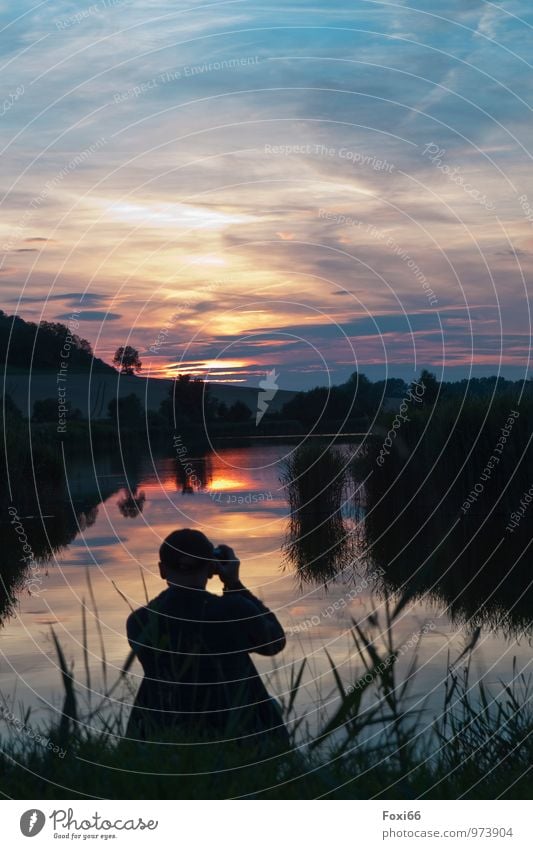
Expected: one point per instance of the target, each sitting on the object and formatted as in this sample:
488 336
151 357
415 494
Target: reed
318 542
379 740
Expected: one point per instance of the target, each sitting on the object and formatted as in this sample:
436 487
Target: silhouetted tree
46 411
12 412
44 345
349 400
238 412
189 399
396 387
127 360
359 388
306 407
131 504
127 411
155 419
431 387
87 518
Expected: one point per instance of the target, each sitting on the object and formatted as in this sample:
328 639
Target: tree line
41 345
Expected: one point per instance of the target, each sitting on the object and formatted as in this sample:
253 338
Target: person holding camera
194 647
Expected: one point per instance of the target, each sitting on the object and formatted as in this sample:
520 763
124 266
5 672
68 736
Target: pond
107 540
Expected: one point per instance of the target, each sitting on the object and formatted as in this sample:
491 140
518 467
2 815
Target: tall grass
378 741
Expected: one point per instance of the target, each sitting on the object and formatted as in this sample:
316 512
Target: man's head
186 558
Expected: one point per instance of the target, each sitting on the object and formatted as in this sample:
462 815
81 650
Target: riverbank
374 743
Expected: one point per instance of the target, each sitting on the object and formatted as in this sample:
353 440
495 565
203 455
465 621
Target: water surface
117 521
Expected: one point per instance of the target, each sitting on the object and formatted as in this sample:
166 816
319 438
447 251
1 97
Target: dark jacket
198 675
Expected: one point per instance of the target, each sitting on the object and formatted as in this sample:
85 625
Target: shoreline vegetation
446 514
433 500
198 410
378 741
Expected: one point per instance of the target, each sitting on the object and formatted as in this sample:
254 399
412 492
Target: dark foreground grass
378 741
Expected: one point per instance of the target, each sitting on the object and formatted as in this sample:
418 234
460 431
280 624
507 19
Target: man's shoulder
140 616
229 606
136 619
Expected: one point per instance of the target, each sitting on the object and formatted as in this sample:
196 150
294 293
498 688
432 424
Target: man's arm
260 630
139 635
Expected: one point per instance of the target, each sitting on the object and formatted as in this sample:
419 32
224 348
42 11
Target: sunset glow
292 207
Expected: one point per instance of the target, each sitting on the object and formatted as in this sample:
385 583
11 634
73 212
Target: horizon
482 372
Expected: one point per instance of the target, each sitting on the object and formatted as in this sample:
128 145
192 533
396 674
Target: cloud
517 253
185 190
92 315
70 298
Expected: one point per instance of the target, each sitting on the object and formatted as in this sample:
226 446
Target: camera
218 554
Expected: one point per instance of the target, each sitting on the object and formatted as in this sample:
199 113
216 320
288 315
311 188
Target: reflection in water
49 520
31 541
120 552
466 562
475 573
319 541
192 473
131 504
88 518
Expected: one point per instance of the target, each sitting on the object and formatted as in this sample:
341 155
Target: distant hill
92 396
45 346
32 356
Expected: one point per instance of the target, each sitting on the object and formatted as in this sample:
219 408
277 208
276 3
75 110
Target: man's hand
228 568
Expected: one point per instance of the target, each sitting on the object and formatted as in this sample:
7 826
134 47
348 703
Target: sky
314 188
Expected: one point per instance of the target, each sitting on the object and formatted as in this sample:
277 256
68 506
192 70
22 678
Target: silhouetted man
195 647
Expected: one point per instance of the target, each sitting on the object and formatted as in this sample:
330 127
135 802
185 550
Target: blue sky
274 186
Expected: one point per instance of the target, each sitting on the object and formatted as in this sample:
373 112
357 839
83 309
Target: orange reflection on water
120 551
227 481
